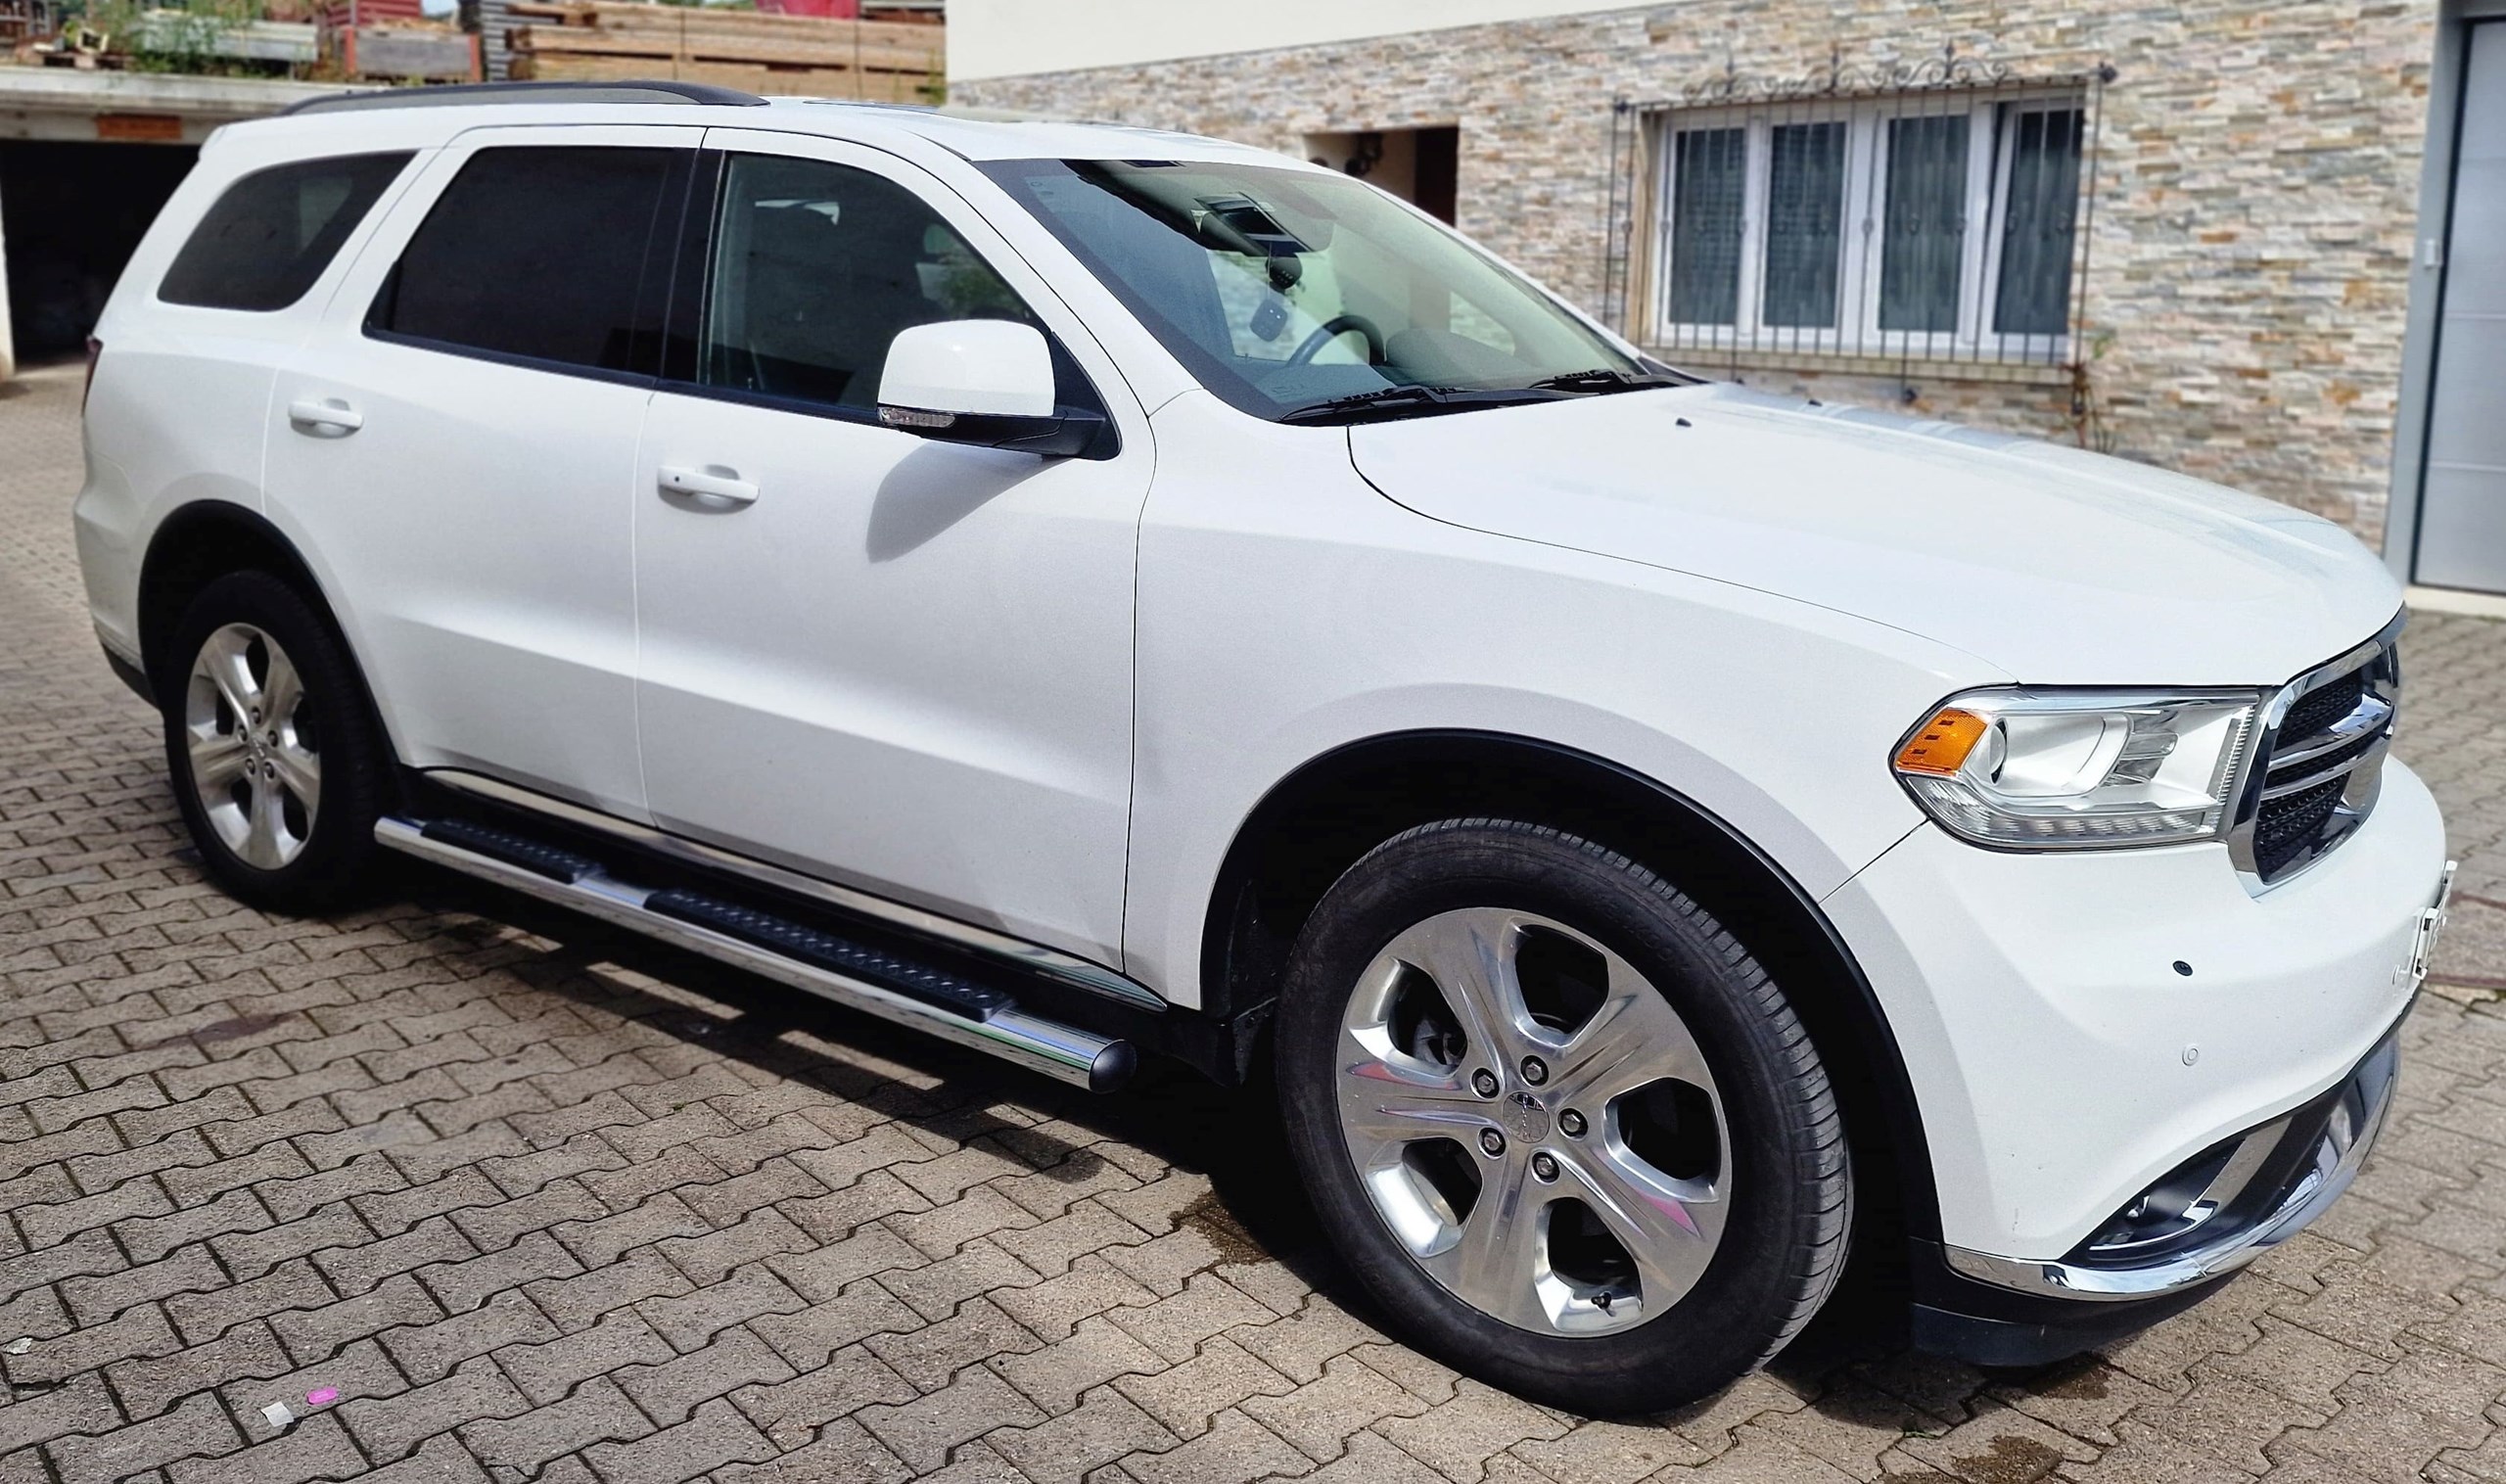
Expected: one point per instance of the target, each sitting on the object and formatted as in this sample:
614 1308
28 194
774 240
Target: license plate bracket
2432 922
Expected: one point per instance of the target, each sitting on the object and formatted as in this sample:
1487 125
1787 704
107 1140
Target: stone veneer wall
2256 195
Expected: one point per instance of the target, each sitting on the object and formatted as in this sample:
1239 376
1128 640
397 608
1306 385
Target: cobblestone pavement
535 1201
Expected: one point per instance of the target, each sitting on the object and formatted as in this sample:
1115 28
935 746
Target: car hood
2057 566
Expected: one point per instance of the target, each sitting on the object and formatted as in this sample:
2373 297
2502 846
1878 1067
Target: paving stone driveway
517 1198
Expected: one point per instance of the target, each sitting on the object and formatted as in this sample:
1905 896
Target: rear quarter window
271 234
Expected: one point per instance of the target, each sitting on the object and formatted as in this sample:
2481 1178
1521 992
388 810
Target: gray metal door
2462 520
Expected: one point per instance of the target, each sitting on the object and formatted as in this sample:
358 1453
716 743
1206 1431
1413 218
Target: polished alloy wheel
256 760
1533 1122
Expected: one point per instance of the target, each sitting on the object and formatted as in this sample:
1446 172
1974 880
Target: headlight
2081 769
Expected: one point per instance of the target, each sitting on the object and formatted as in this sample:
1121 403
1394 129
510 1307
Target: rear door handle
330 413
718 492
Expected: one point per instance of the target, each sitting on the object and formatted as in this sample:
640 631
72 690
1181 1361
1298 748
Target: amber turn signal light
1942 746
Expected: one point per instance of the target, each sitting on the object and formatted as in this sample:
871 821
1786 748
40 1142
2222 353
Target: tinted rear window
542 252
264 242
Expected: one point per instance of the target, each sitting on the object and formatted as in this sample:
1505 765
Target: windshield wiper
1605 378
1392 401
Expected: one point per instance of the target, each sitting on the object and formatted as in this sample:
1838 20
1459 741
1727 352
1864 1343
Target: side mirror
985 381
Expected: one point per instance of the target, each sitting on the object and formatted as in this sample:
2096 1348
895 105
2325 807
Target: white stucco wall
1007 39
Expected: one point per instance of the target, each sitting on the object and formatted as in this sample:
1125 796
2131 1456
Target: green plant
182 37
2088 414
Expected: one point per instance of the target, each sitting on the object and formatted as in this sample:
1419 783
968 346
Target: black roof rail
635 91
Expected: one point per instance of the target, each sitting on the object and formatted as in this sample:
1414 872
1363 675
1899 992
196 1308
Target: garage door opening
1421 166
70 215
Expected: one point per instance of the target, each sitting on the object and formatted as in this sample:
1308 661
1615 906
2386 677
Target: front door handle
708 489
327 415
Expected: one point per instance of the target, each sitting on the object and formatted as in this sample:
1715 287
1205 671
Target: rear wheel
1566 1129
275 762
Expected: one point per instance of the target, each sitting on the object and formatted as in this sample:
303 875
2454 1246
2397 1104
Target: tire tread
337 865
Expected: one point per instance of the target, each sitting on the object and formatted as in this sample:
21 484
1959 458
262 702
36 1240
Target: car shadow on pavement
1850 1363
1228 1134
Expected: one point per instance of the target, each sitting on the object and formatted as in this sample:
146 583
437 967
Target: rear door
225 287
455 447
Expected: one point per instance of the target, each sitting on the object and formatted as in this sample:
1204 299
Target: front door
2462 518
902 665
455 445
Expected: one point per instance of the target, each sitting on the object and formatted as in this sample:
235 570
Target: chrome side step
799 957
1012 952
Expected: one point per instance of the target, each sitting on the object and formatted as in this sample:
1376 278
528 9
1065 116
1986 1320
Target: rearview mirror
985 381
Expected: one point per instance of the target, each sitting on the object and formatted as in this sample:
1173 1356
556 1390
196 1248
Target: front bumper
1989 1311
2077 1028
2223 1208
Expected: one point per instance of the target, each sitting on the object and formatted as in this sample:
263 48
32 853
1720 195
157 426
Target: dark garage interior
73 213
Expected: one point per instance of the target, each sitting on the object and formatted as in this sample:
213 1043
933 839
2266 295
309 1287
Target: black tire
1790 1216
334 865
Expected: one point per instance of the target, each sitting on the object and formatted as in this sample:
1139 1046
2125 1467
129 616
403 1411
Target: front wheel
276 763
1565 1130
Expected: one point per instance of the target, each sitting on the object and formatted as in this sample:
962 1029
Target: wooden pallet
608 40
629 14
552 41
799 80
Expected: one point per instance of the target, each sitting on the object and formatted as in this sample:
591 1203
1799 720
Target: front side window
264 240
1941 225
548 254
817 267
1292 292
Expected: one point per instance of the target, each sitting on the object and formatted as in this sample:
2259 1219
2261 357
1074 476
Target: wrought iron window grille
1870 218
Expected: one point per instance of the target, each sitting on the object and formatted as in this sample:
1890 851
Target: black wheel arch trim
195 524
1869 1040
131 675
185 529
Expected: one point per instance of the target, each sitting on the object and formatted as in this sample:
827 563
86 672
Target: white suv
1073 589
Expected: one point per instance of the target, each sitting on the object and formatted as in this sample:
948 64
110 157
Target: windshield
1301 296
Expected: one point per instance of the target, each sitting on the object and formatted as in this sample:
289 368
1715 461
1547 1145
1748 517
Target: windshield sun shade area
1289 293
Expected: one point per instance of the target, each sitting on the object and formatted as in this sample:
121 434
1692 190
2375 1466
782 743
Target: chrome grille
2320 762
2314 711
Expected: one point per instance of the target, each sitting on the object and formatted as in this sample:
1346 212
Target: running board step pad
511 849
859 978
825 950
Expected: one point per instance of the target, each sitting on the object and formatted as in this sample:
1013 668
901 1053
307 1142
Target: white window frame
1991 116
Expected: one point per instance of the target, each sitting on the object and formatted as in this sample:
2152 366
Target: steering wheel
1332 329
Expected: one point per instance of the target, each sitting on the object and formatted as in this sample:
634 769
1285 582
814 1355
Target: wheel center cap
1526 1116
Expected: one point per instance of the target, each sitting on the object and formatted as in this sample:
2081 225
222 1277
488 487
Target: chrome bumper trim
2339 1150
